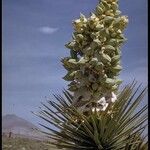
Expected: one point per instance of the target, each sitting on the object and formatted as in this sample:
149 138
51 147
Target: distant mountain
11 121
19 126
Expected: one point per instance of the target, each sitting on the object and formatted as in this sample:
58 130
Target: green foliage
119 127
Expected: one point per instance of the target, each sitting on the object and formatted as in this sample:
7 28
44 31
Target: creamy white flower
119 31
114 97
98 109
84 20
77 21
82 60
78 25
111 97
94 17
103 48
99 26
102 101
104 104
93 109
75 120
104 107
109 112
125 19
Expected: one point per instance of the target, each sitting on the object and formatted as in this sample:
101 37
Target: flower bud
99 10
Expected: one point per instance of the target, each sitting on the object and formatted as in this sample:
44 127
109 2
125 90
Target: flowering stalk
94 63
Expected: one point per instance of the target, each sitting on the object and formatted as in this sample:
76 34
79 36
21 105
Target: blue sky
34 33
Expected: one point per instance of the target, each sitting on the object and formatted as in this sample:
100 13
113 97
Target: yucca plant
93 113
118 127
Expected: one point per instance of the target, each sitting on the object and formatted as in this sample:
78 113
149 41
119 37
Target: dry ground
24 144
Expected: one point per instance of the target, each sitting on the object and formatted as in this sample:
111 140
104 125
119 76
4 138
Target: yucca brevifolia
94 63
95 114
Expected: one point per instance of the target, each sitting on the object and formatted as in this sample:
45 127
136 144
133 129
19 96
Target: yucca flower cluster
94 63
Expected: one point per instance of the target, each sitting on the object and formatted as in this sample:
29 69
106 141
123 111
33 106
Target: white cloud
47 30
